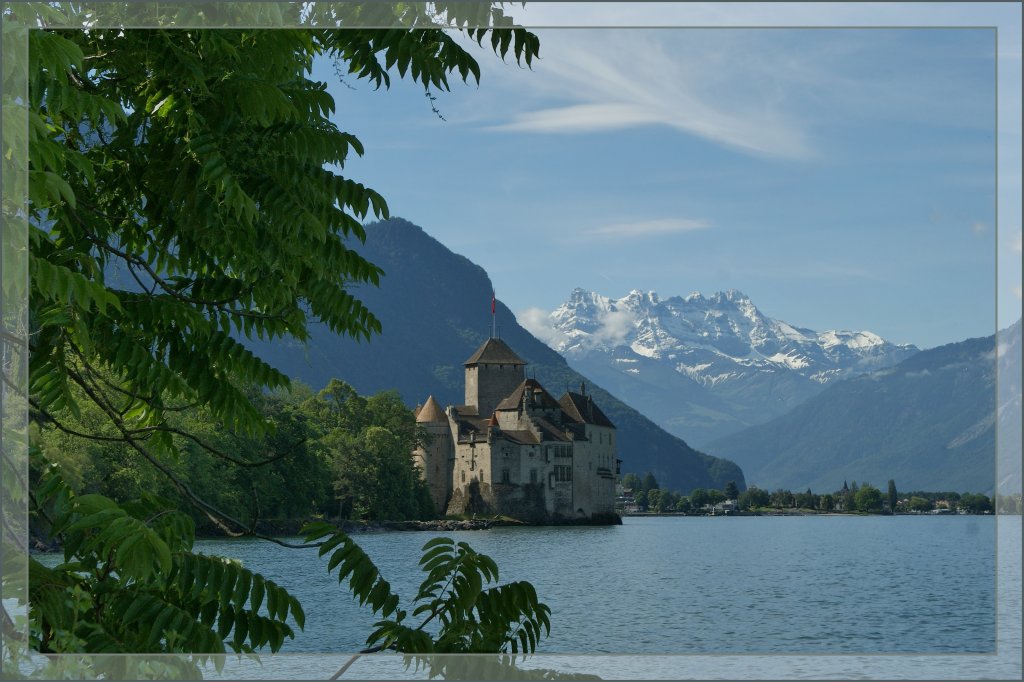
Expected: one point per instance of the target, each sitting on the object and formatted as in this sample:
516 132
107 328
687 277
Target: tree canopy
868 498
186 191
182 194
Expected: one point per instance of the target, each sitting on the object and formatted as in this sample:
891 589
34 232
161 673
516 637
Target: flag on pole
493 303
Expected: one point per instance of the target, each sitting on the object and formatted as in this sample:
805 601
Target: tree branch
68 430
11 338
348 664
219 518
135 276
214 451
9 629
14 535
172 291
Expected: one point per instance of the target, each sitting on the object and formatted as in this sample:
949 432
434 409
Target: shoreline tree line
851 498
333 454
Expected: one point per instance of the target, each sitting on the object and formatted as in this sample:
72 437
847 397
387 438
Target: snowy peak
711 339
704 366
850 339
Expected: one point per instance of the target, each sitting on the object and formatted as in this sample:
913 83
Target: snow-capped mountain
705 366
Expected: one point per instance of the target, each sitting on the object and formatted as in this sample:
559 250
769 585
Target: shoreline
807 512
290 528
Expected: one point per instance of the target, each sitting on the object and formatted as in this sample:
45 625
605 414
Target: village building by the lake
512 449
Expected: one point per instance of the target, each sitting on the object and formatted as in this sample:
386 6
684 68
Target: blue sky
842 178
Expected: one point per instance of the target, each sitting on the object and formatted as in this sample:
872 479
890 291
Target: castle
513 449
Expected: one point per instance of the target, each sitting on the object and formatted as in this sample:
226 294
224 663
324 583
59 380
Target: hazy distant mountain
705 367
928 423
1008 396
435 309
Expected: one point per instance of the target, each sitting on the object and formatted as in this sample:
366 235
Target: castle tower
492 373
434 458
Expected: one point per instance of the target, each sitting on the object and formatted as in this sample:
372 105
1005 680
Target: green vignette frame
14 436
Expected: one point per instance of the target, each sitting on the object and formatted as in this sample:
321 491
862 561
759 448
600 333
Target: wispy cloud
979 227
611 81
580 118
648 228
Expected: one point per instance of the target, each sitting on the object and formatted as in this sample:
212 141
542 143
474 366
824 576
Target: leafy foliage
183 194
868 499
367 443
130 583
471 614
336 454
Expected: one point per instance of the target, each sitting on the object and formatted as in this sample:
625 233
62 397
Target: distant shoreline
802 513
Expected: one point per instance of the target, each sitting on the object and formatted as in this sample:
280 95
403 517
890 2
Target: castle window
505 476
463 476
533 475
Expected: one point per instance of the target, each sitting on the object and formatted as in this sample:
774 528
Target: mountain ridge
928 422
704 367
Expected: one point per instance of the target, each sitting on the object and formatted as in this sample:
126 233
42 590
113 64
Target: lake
734 597
806 584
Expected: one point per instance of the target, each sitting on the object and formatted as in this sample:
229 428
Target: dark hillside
434 306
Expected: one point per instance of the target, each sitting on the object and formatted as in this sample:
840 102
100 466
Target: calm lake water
907 597
752 585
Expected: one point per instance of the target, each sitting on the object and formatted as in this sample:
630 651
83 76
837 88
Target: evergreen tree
731 491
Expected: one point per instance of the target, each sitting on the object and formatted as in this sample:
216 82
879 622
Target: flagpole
494 318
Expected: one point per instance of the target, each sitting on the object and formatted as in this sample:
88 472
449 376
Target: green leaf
256 596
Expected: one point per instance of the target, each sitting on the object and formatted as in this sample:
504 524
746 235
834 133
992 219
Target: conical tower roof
494 352
430 413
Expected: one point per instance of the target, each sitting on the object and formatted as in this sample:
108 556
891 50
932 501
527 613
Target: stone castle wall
487 385
530 502
433 460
